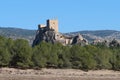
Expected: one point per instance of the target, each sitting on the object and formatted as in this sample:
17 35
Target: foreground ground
57 74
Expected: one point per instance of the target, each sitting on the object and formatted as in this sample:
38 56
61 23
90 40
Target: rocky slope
52 36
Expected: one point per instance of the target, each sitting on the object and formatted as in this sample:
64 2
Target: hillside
98 34
16 33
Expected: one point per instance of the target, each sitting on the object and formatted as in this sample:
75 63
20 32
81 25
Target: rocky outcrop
79 40
54 37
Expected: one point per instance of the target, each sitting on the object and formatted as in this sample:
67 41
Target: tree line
19 54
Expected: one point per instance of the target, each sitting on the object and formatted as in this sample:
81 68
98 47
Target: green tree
64 57
75 53
103 57
41 54
115 60
4 54
4 57
22 54
81 58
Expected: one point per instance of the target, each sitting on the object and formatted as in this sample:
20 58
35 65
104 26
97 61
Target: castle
50 24
50 33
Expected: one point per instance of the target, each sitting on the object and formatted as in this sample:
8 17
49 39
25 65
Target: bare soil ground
57 74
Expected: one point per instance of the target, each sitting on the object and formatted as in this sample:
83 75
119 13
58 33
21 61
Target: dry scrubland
57 74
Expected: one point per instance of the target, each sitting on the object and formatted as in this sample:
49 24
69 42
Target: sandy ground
57 74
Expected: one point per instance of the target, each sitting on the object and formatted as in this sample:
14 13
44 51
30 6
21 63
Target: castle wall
41 26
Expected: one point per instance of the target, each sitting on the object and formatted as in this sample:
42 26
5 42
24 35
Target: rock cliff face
79 40
54 37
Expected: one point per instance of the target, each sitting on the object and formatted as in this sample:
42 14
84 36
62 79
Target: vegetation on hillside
17 33
9 32
19 54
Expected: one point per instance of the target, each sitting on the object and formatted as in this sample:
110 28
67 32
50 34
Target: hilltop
16 33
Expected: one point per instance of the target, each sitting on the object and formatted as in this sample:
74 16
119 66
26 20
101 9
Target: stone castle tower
50 24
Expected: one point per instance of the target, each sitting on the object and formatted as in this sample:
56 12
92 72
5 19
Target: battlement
41 26
50 24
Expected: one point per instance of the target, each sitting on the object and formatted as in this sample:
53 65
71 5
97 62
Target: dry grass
57 74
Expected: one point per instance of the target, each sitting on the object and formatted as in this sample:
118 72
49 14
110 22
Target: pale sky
73 15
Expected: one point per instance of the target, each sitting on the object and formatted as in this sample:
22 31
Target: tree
103 57
22 54
4 57
41 54
64 57
4 54
76 56
115 60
